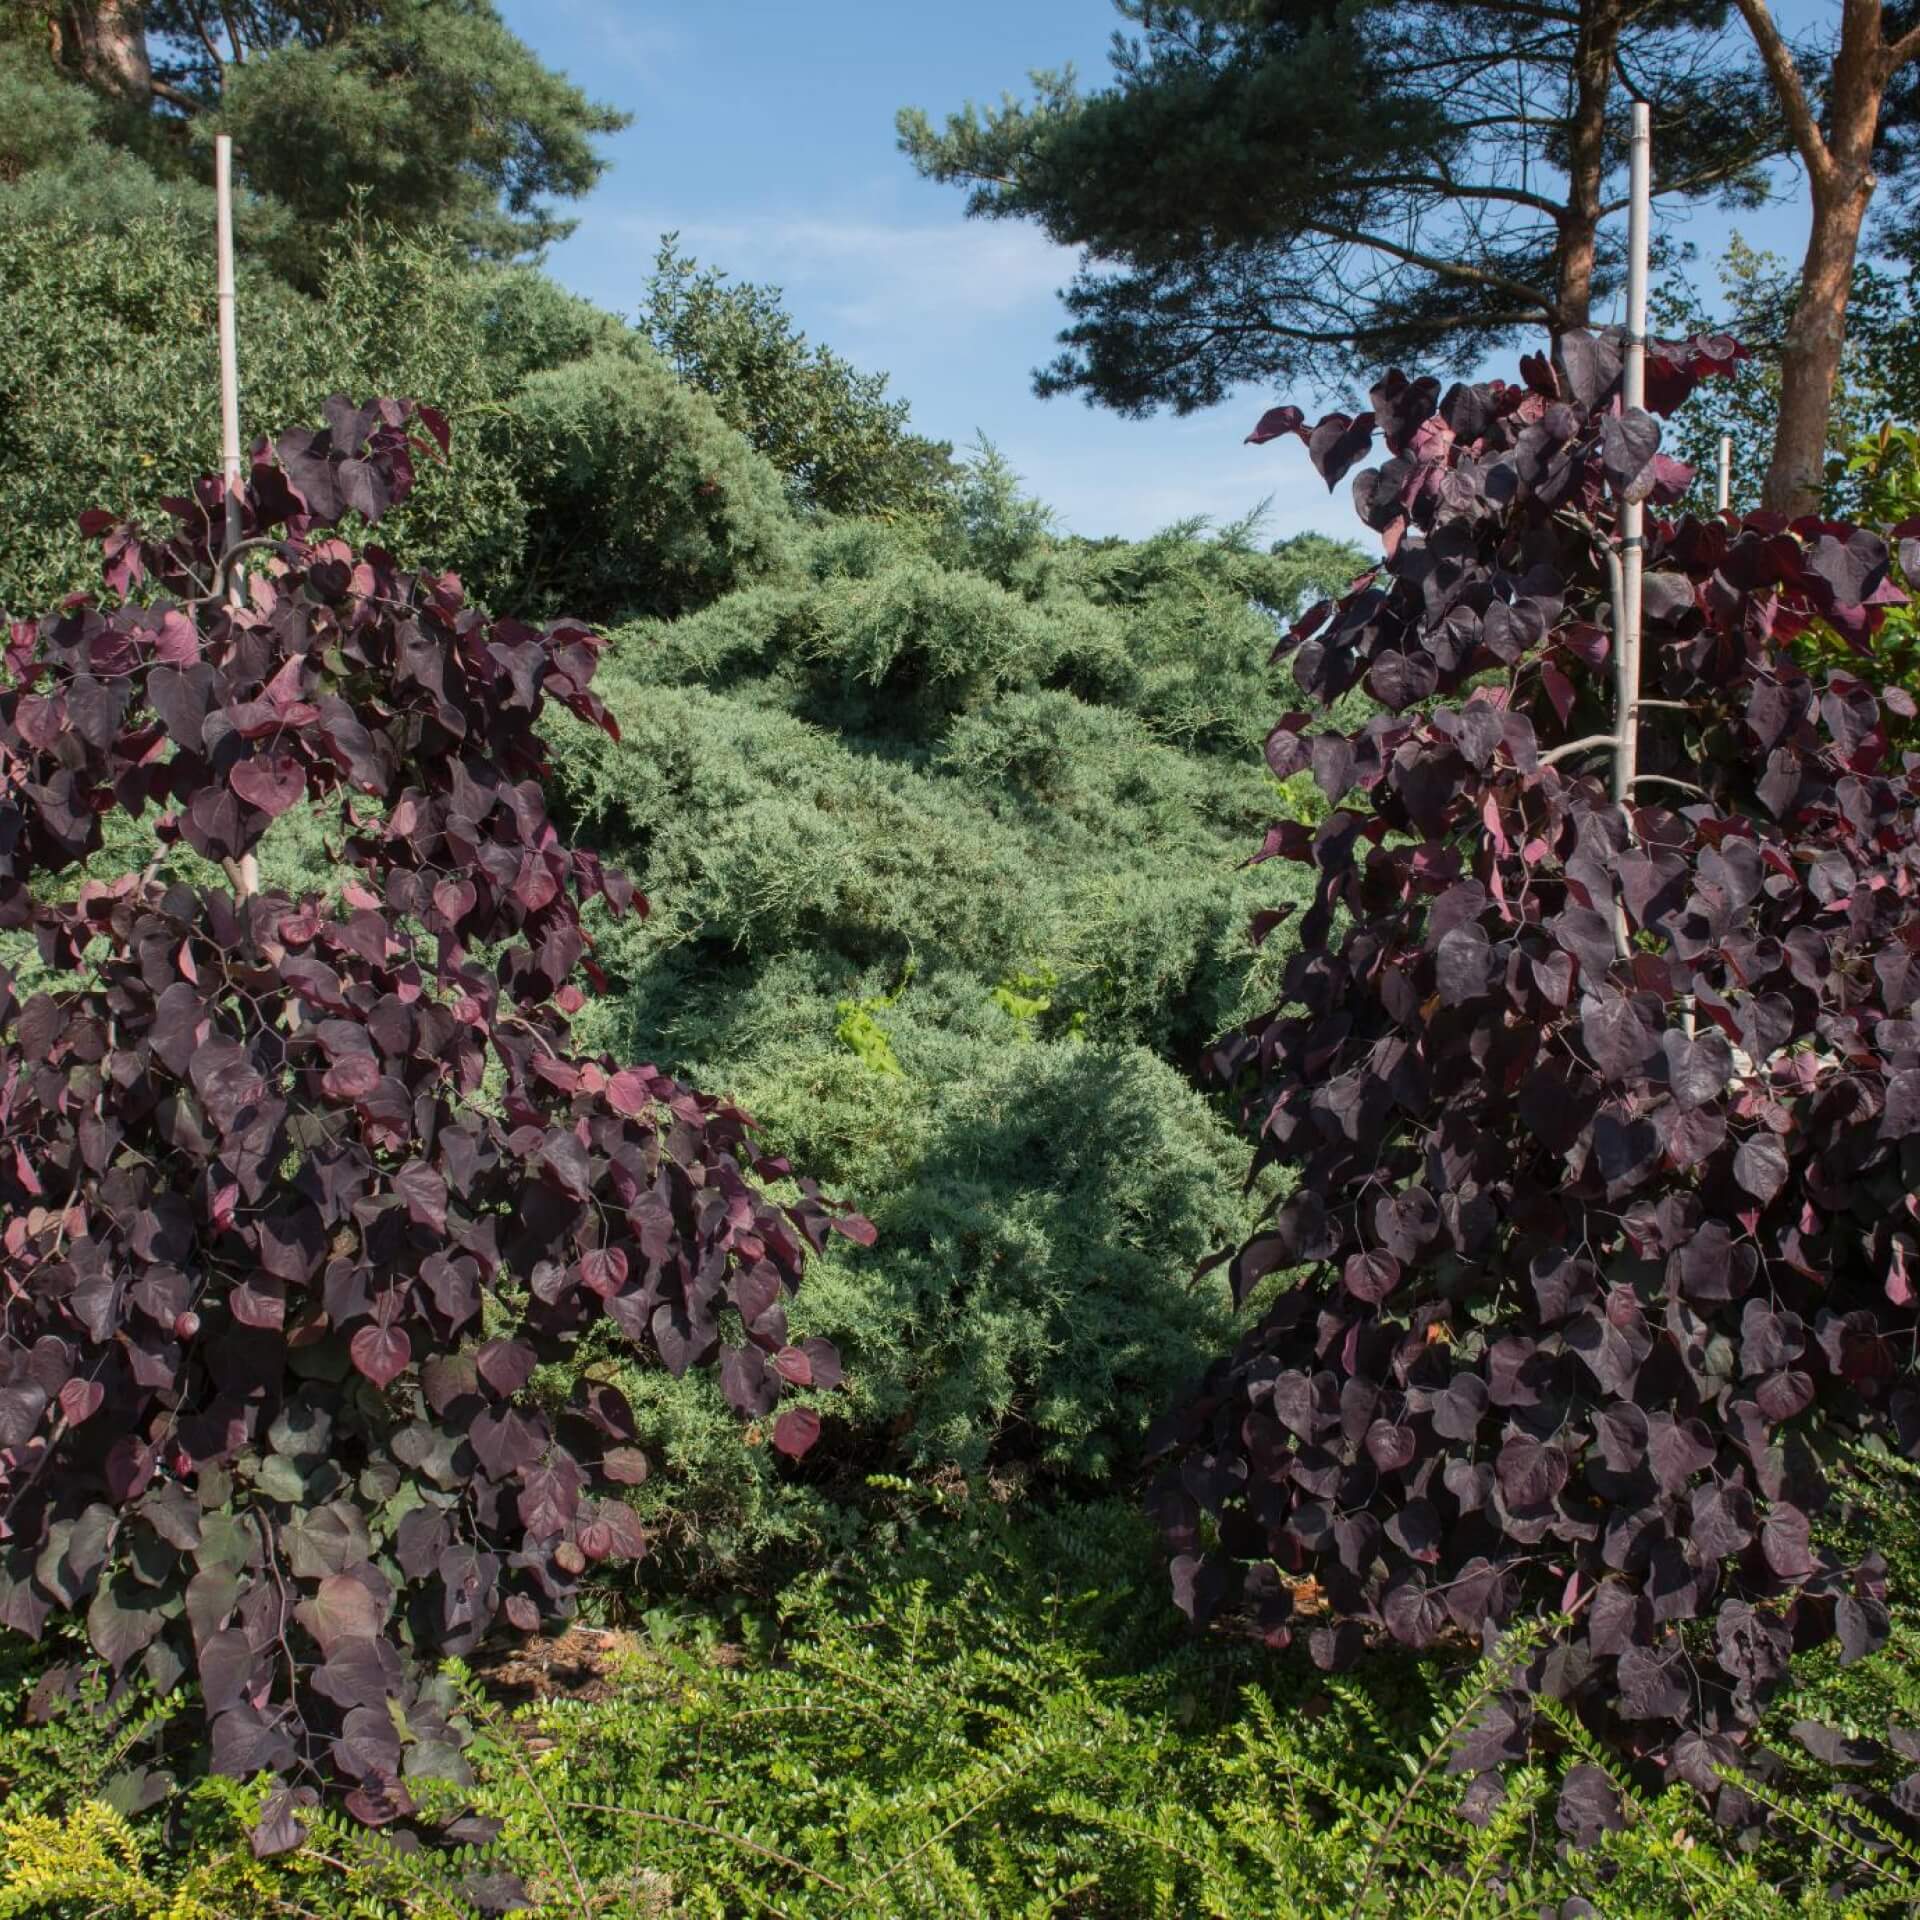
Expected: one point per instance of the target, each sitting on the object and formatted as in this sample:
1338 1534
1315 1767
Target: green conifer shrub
642 499
947 891
583 472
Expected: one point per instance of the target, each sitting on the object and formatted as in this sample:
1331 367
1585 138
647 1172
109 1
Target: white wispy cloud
632 39
1157 475
874 277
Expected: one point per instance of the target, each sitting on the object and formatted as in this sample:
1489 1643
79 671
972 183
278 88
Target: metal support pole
1633 389
229 354
244 872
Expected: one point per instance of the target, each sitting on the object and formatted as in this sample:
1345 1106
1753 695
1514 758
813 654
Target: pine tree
1333 187
432 106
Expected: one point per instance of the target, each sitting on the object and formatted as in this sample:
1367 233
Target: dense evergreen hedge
944 833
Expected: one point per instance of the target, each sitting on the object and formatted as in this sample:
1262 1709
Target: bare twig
222 587
1583 745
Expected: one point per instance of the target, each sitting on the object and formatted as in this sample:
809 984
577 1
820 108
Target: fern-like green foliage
995 1731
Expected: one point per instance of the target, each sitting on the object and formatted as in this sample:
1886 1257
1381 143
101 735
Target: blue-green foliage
641 498
945 833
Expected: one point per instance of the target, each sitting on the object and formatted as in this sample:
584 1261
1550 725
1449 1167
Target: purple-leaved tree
299 1195
1602 1117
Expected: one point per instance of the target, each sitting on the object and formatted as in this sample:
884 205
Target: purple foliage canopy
300 1193
1602 1120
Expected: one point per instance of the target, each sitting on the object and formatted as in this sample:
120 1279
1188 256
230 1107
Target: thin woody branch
1784 71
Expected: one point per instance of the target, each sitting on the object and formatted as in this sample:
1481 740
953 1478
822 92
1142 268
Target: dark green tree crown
1295 189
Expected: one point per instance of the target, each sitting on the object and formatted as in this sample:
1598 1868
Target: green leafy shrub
1030 1303
584 473
109 381
842 444
988 1729
643 499
874 802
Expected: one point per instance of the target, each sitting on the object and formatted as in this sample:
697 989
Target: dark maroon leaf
1530 1473
381 1353
795 1432
1677 1450
273 783
825 1361
1465 965
1652 1686
1415 1616
1863 1626
505 1365
1338 444
424 1193
1835 1748
279 1830
1275 422
1785 1540
750 1388
1617 1036
1851 562
1760 1166
1458 1411
506 1441
1372 1276
1722 1520
1199 1585
855 1227
1629 440
1698 1066
549 1499
1589 1805
1783 1394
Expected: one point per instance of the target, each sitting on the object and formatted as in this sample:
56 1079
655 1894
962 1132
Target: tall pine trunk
104 42
1810 356
1591 82
1835 141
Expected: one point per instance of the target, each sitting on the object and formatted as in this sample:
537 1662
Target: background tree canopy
1337 188
432 106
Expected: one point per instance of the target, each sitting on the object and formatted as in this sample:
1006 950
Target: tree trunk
1836 147
104 42
1810 358
1592 82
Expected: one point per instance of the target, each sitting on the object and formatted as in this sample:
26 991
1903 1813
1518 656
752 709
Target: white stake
1726 471
229 355
1633 388
244 872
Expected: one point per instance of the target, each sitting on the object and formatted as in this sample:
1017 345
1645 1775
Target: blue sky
763 132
